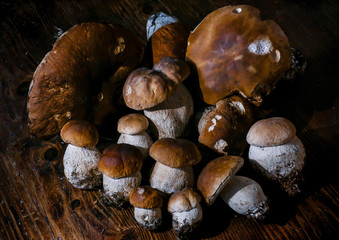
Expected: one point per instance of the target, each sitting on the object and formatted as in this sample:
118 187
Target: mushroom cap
80 133
78 78
271 132
225 127
183 201
145 88
216 174
233 50
120 160
146 197
132 124
174 68
175 153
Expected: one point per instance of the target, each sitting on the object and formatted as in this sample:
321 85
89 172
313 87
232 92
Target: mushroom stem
185 222
142 141
150 219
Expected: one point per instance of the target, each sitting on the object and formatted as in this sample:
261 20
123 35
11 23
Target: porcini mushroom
225 127
120 165
133 131
173 170
246 197
186 212
216 174
81 157
233 50
277 153
79 76
147 203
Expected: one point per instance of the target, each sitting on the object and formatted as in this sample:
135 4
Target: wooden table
37 202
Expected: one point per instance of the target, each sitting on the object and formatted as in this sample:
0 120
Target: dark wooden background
37 202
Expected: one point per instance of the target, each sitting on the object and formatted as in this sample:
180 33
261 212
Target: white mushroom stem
81 166
170 180
142 141
150 219
278 161
119 189
187 219
171 116
246 197
157 21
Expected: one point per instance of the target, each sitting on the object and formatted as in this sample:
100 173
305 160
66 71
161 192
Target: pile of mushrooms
237 58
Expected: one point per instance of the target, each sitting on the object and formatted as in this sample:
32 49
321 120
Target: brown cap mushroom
132 124
175 153
78 77
271 132
216 174
80 133
233 50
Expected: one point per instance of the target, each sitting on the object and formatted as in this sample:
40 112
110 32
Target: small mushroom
277 153
120 165
216 175
224 128
147 203
233 50
246 197
81 157
133 131
173 170
186 212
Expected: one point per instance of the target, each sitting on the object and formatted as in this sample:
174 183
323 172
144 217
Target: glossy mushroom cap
271 132
174 68
132 124
184 200
80 133
216 174
175 153
233 50
146 197
120 160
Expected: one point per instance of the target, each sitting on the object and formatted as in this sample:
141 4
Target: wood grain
37 202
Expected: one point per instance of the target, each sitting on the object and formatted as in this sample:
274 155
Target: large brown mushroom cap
120 160
233 50
78 77
175 153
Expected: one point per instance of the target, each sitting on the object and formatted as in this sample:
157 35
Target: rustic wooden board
37 202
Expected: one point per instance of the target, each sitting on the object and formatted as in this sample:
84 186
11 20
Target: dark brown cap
120 160
271 132
146 197
173 68
216 174
183 201
79 133
132 124
175 153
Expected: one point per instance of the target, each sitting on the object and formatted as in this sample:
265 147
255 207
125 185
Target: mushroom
224 128
133 131
81 157
159 92
277 153
216 175
120 165
147 203
79 77
246 197
173 170
233 50
186 212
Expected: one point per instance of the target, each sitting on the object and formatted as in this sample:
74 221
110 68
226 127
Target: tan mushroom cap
120 160
216 174
80 133
175 153
174 68
184 200
233 50
271 132
146 197
132 124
